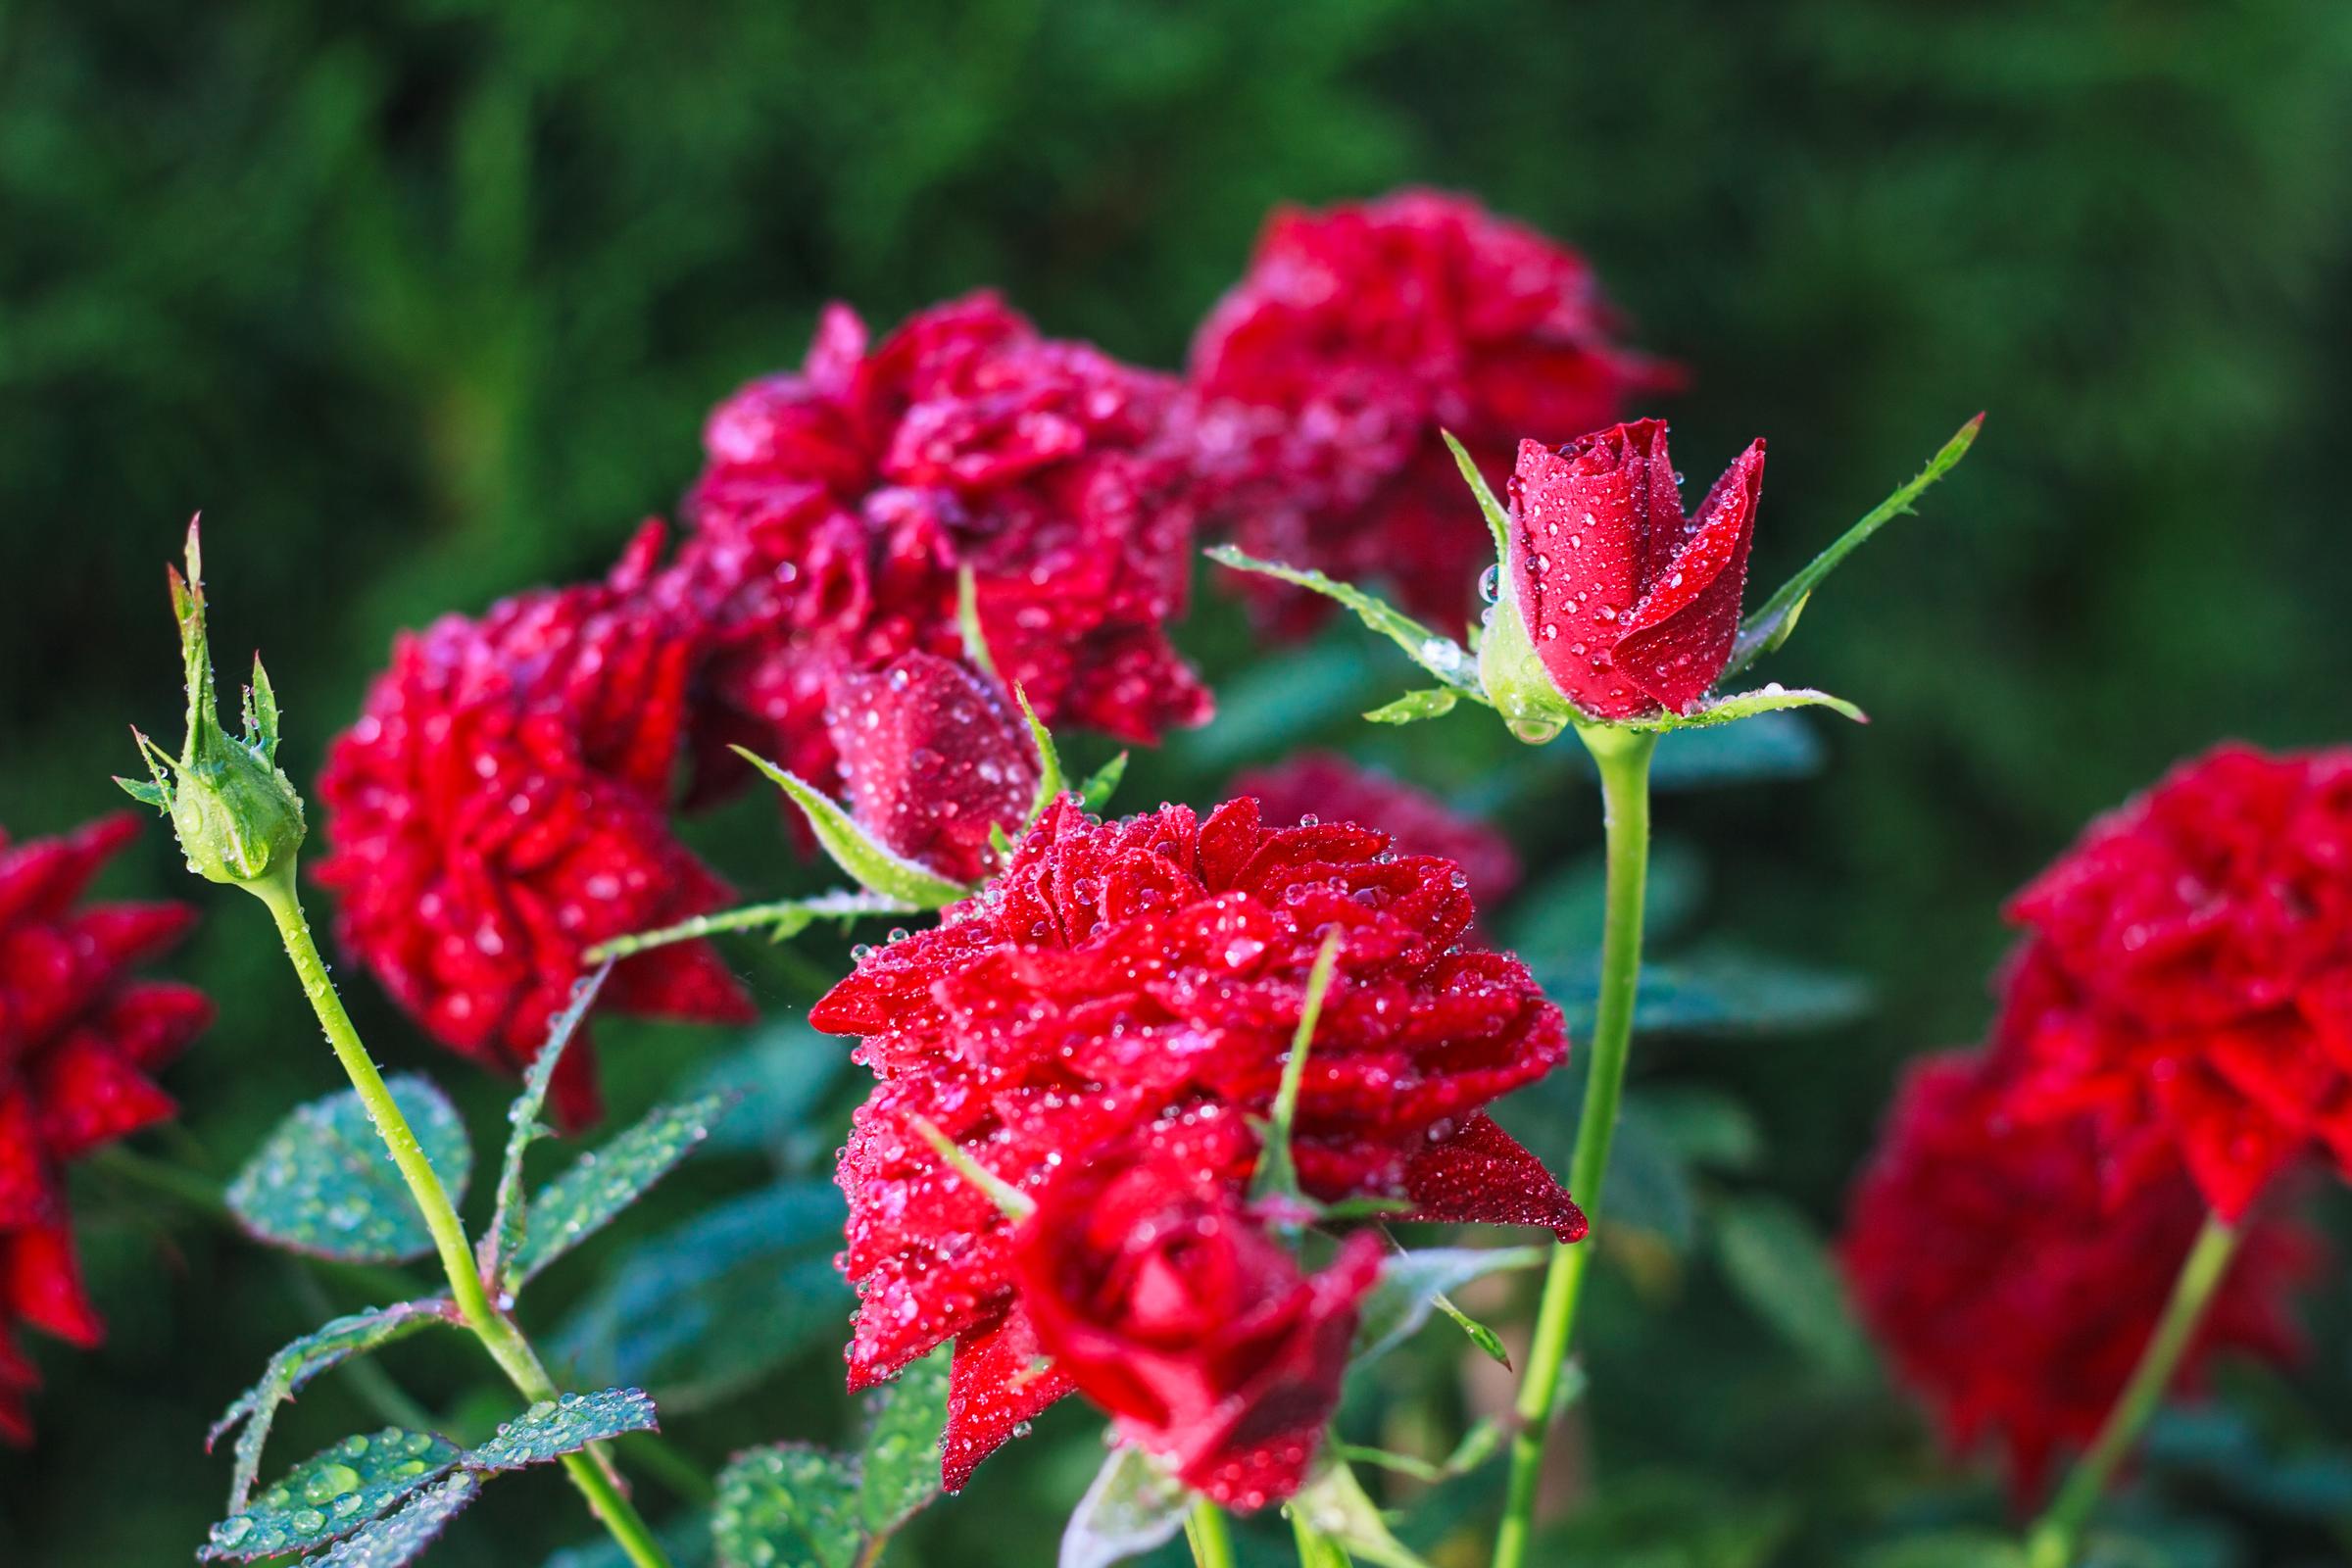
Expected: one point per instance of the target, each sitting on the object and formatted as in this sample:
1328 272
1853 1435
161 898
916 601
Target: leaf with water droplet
1746 705
323 1184
1769 627
296 1363
554 1428
788 1504
401 1538
1434 702
332 1494
1442 656
585 1199
873 864
778 1081
898 1462
714 1305
504 1236
1413 1284
1133 1506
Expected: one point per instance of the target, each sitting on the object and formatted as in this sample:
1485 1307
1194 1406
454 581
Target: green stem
591 1471
1623 758
1205 1533
1316 1549
2052 1541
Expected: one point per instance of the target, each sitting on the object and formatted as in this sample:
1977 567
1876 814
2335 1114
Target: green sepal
869 862
1498 522
1769 699
1772 623
968 622
1102 784
1516 684
1449 661
1048 762
1434 702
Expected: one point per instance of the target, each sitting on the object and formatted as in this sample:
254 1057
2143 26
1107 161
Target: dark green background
425 303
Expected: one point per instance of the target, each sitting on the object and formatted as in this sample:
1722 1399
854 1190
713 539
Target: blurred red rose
1323 378
1632 607
1164 1303
79 1040
1325 786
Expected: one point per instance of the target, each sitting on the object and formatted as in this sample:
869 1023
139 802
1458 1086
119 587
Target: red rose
1630 606
1358 333
1118 975
839 503
932 756
497 810
1325 786
2013 1292
79 1042
1168 1305
2187 976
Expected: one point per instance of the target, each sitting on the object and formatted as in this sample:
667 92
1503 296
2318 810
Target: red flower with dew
497 810
840 503
932 756
1632 607
1167 1303
2188 970
80 1041
1150 972
1316 786
1358 334
2012 1290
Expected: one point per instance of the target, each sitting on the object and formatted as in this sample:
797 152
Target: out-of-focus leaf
588 1196
1276 703
1649 1187
1668 1520
1715 990
552 1428
788 1503
714 1305
2218 1443
403 1537
332 1494
296 1363
1959 1548
321 1183
1103 783
1410 1284
685 1540
899 1463
525 1128
778 1083
1768 747
1775 1259
1133 1506
1334 1504
1705 1127
1557 922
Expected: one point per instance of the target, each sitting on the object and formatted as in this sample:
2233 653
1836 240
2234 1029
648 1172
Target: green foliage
775 1086
401 1538
1774 1258
554 1428
332 1494
1412 1284
1434 702
320 1184
594 1192
524 1128
870 862
1132 1506
1442 656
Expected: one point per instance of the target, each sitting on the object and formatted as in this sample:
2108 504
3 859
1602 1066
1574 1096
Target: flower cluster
499 809
1142 978
80 1041
2187 976
1357 336
2013 1293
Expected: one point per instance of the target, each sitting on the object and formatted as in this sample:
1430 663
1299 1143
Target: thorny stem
2052 1543
591 1472
1623 758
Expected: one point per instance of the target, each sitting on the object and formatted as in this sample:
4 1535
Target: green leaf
1333 1504
1704 1126
320 1184
1767 747
292 1368
1481 1444
588 1196
1132 1507
332 1494
899 1463
1442 656
776 1084
685 1539
1275 703
507 1219
2218 1444
717 1304
1769 627
1498 522
1049 761
1775 1260
404 1536
1714 990
1434 702
788 1503
871 863
1412 1284
1771 698
554 1428
1969 1548
1558 924
1102 784
1649 1186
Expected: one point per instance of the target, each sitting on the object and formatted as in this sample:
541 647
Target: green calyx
238 818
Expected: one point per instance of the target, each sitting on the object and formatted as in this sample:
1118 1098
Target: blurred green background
423 303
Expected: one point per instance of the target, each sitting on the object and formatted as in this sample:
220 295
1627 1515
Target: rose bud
932 756
1166 1303
1611 597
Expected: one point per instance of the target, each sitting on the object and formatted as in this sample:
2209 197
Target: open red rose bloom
1632 607
1142 978
840 501
1165 1302
1358 334
78 1043
2187 977
499 809
2014 1292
